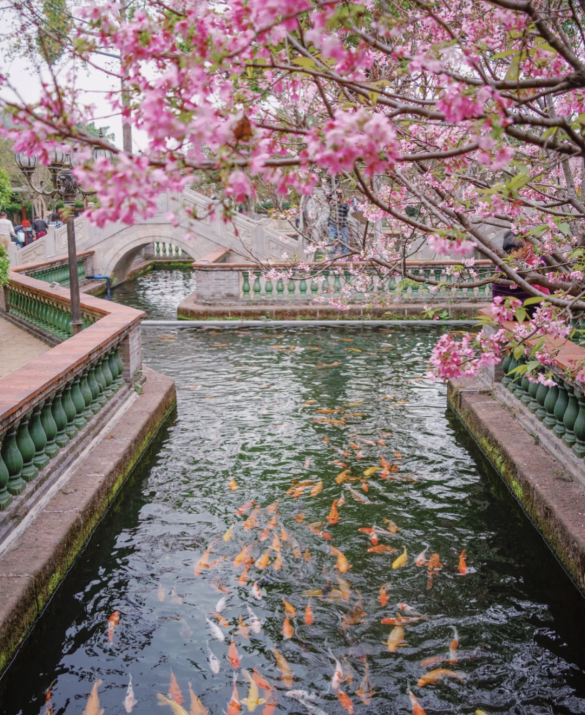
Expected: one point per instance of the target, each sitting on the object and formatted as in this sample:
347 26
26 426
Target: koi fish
365 691
381 549
306 700
433 660
286 673
263 561
270 706
342 476
453 645
408 609
220 586
365 487
317 489
422 557
337 677
48 709
255 622
433 676
333 516
185 631
275 546
175 598
113 621
434 564
234 703
416 707
175 693
344 587
252 701
243 577
308 459
213 660
243 556
203 562
287 629
371 531
463 563
400 620
371 471
243 629
289 608
277 563
229 533
272 508
93 701
309 614
233 484
256 591
245 507
260 681
342 564
283 535
357 496
345 701
216 630
383 597
401 560
161 592
299 517
341 500
233 656
337 463
265 534
175 707
307 555
252 521
395 639
197 707
220 605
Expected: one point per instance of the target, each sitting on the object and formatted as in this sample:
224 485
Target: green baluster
525 384
79 403
513 375
570 416
27 450
268 287
532 390
257 288
303 287
5 498
114 370
392 284
13 461
101 381
279 288
107 373
50 428
518 389
95 389
541 394
414 286
87 397
71 429
39 438
314 284
560 408
325 287
120 365
336 283
579 427
60 417
246 284
292 286
505 367
549 405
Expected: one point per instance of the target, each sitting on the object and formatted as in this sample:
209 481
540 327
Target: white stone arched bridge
117 245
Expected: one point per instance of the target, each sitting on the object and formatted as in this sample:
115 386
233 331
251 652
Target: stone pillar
131 352
217 286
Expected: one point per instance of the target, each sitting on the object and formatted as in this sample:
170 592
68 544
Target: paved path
17 347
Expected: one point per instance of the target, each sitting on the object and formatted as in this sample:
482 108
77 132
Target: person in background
337 224
55 220
27 230
40 227
7 232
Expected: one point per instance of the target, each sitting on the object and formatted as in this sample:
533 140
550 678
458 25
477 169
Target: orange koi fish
234 704
275 546
265 534
306 555
286 673
287 629
357 496
453 645
392 528
283 534
243 577
263 561
326 439
220 586
289 609
48 709
337 463
397 454
383 597
260 680
400 620
271 703
395 639
365 486
309 614
273 522
222 621
463 563
333 516
299 517
93 701
175 693
342 564
296 549
113 621
433 676
422 557
317 489
233 484
243 556
197 707
345 701
433 566
342 476
229 533
433 660
344 587
277 563
245 507
416 707
272 508
203 562
243 629
365 691
252 521
233 656
381 549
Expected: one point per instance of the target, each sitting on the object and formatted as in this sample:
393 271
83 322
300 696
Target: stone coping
48 262
259 266
216 256
34 564
569 356
23 389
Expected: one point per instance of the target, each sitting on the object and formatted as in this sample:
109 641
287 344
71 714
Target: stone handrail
248 283
45 403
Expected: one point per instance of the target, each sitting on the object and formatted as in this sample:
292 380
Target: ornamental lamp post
66 187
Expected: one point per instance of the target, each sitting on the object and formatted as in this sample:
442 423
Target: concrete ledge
190 310
553 501
37 560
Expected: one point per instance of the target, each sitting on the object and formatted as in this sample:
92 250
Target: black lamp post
66 187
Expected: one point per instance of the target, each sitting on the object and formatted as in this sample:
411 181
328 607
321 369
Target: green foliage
5 189
57 26
95 131
4 266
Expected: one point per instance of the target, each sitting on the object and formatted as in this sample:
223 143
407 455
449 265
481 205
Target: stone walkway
17 347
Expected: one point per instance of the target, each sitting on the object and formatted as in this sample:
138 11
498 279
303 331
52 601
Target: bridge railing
249 283
56 270
46 403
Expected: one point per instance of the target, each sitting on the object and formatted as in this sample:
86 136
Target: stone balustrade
247 283
168 250
48 401
56 270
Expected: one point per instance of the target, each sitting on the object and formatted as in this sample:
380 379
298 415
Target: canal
272 427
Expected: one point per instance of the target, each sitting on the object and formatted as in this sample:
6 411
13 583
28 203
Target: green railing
561 407
49 314
168 250
31 442
58 273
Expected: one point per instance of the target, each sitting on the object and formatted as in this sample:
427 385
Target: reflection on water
158 292
265 411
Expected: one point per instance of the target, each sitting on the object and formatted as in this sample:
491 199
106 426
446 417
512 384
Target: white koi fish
306 699
213 660
255 622
216 630
129 701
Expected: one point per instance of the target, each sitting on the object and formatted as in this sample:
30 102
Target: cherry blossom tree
439 115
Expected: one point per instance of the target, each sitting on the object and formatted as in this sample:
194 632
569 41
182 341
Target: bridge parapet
53 401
